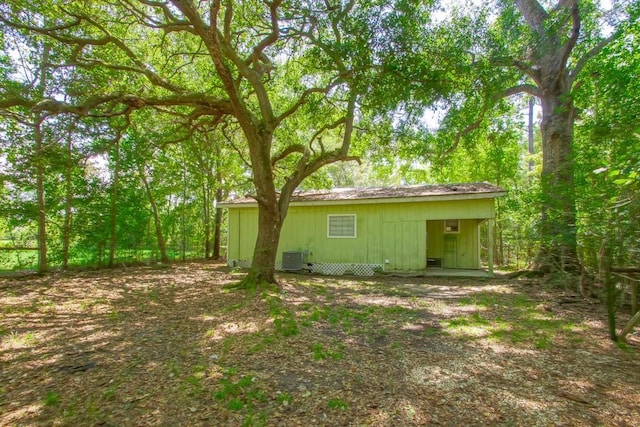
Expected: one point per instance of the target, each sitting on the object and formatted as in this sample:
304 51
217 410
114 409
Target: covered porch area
460 247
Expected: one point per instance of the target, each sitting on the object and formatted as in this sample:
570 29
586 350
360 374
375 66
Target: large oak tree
553 65
266 64
541 49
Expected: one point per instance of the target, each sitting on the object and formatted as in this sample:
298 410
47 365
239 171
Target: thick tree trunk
558 220
270 214
258 126
554 80
262 269
272 206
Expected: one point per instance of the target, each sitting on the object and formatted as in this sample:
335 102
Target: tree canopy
151 110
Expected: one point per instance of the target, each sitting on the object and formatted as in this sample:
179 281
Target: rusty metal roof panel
385 194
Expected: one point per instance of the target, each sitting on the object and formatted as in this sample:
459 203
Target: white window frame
451 231
355 226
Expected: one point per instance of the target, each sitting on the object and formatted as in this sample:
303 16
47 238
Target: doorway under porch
455 244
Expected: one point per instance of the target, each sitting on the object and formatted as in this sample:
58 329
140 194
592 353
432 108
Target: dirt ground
147 346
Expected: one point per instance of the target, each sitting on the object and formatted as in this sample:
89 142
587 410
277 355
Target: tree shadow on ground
145 346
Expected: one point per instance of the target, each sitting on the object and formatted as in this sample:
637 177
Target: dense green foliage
140 134
608 154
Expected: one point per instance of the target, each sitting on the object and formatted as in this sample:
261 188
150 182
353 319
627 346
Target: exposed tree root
255 283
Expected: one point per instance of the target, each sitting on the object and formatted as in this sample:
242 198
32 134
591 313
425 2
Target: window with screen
341 226
452 226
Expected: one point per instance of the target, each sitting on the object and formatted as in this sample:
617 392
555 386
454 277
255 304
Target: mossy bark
558 201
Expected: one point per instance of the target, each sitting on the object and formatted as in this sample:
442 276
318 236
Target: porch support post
490 248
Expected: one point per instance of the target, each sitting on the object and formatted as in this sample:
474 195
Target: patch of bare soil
150 346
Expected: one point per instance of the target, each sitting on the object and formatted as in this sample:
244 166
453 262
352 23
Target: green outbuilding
363 230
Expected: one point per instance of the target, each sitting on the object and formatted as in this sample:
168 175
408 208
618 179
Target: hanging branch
514 90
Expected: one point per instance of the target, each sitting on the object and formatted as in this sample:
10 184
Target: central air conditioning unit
292 260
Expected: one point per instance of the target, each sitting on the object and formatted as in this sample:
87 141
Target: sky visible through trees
122 123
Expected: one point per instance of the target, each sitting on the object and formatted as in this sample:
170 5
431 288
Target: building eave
373 201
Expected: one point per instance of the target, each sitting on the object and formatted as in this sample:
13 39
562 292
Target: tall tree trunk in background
113 215
206 217
530 138
42 217
498 254
39 160
68 201
183 219
217 219
555 33
552 64
207 184
164 258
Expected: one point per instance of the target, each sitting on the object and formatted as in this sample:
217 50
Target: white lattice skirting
328 269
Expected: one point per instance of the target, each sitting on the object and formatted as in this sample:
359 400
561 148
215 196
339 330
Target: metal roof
371 195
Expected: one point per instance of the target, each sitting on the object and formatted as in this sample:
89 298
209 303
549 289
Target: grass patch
228 343
430 331
239 393
284 320
337 403
622 345
286 326
255 420
519 321
397 310
345 318
20 309
193 383
174 369
51 398
109 393
153 295
321 353
491 300
320 289
233 307
395 345
256 348
26 339
284 398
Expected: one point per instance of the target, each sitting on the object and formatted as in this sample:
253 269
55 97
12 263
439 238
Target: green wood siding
305 229
404 245
435 232
388 231
243 230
